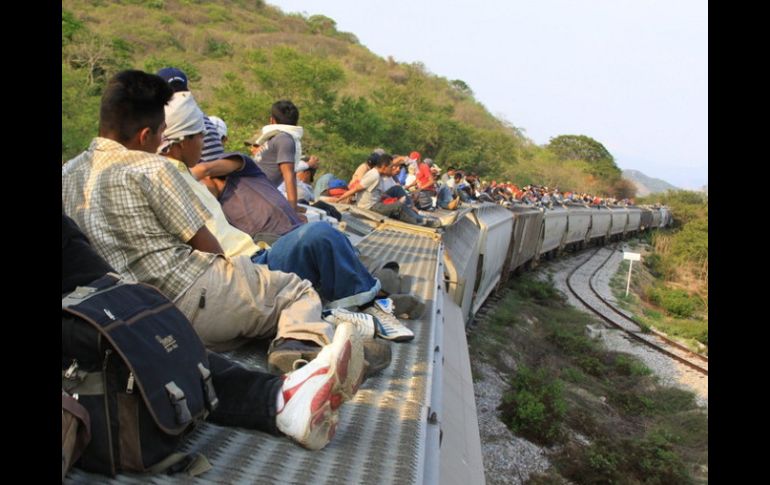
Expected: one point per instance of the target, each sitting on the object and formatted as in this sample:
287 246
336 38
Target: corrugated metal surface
381 437
530 237
496 224
527 223
655 217
462 248
555 227
578 222
356 225
634 218
601 219
619 220
446 216
645 220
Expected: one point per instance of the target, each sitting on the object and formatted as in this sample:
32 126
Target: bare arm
217 168
287 170
358 188
205 242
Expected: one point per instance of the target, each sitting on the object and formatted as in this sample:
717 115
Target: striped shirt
138 212
212 142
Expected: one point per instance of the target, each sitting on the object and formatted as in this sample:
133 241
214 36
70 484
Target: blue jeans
398 191
444 196
323 255
398 210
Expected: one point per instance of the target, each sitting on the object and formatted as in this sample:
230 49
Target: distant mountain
646 185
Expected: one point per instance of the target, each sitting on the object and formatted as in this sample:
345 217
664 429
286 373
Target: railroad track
614 317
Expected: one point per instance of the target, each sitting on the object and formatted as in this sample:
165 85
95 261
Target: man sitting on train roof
316 252
249 398
371 189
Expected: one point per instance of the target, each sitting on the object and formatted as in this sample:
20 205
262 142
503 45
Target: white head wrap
183 117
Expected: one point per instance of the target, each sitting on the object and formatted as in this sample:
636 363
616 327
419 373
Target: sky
632 74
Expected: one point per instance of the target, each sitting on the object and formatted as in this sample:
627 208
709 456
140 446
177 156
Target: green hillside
241 56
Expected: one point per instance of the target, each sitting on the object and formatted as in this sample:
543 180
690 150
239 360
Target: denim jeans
444 196
398 210
398 191
247 398
323 255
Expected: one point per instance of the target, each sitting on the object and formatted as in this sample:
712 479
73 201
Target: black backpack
133 360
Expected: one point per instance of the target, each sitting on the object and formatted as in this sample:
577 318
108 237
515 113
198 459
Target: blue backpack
133 360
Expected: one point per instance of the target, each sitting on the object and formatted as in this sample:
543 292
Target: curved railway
614 317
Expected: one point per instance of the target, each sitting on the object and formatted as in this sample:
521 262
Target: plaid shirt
138 213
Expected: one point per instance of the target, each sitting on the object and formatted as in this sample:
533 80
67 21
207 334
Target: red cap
414 155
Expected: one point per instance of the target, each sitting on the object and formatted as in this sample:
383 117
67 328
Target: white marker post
631 257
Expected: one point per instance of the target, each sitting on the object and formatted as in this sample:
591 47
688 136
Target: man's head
305 172
175 78
383 164
221 126
183 138
372 160
284 112
131 110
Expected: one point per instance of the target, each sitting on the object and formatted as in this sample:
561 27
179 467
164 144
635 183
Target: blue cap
172 74
337 184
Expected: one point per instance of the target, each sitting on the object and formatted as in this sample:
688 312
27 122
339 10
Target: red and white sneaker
311 396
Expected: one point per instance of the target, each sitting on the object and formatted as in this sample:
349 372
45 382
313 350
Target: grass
669 310
564 382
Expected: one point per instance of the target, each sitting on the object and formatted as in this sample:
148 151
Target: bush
674 301
540 291
630 366
650 460
534 406
216 49
591 365
655 460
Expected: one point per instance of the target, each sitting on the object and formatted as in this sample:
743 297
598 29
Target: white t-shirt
373 189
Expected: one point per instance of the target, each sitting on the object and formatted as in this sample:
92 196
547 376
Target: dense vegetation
605 412
243 55
679 264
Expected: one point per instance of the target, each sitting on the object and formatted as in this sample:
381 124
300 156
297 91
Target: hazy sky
633 74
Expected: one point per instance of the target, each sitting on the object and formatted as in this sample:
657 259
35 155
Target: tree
581 147
461 86
624 189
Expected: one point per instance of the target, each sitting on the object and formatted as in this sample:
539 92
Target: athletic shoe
310 397
363 323
387 326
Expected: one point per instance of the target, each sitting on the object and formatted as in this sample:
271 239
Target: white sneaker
363 323
387 325
311 396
